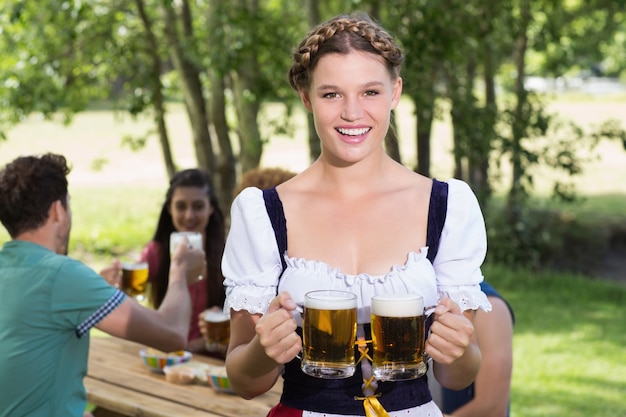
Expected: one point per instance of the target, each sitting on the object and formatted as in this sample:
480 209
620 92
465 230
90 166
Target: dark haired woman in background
190 206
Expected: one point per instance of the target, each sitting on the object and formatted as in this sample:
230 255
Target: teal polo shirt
48 304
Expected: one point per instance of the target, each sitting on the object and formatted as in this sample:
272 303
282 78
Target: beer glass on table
134 279
328 334
398 326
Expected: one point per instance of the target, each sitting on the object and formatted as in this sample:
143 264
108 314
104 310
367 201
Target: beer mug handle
300 309
428 311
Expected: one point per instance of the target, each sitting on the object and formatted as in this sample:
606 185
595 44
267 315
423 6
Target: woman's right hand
192 260
276 330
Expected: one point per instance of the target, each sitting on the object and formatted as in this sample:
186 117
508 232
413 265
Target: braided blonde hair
342 34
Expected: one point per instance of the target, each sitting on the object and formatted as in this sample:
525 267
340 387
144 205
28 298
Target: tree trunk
475 135
491 112
425 107
226 178
158 100
457 114
246 96
424 119
392 147
315 147
391 138
192 91
516 193
251 147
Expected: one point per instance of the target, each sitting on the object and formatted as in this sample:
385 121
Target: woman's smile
353 135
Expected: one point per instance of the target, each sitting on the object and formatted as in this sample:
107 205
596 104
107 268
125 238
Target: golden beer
217 332
328 334
134 279
398 326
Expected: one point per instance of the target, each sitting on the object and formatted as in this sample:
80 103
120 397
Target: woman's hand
260 345
450 334
276 330
193 262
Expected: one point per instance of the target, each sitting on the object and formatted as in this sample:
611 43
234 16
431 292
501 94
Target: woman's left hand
450 333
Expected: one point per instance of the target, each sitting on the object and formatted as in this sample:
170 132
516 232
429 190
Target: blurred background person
190 205
489 395
261 178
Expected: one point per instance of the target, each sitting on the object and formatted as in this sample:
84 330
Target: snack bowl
156 360
217 378
191 372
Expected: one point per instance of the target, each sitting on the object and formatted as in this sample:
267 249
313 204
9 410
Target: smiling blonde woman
354 221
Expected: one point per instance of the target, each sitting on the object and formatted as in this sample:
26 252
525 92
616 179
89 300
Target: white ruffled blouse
251 264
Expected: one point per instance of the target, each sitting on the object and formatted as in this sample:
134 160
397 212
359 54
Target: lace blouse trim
256 299
322 268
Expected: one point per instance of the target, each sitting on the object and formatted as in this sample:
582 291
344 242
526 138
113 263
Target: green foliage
51 66
548 140
260 32
58 56
555 235
578 36
135 143
545 239
610 129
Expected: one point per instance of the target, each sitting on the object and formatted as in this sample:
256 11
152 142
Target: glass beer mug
328 334
398 326
135 279
194 238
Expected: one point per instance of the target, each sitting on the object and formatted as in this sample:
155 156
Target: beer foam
329 302
194 238
401 305
215 316
134 266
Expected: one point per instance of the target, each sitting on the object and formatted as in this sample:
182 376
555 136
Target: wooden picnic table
118 380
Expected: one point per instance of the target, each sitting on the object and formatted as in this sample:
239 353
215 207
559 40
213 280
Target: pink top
152 253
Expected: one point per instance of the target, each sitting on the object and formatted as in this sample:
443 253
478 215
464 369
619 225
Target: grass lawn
569 344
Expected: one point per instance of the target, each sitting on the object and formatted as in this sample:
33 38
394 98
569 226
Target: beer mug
134 279
398 326
194 238
328 334
217 331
